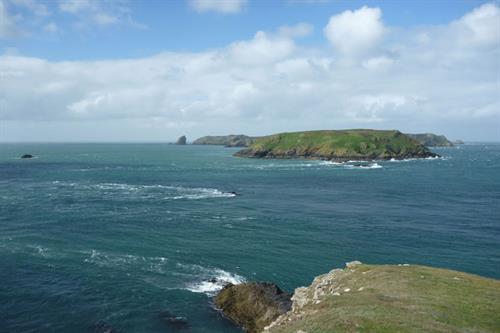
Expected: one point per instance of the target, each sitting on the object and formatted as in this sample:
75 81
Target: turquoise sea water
122 237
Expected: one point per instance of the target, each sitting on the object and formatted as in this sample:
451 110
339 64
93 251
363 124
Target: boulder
253 305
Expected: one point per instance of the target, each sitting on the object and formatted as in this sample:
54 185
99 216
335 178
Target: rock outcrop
181 140
27 156
253 305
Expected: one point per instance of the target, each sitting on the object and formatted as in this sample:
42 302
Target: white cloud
380 62
356 31
101 13
265 84
261 49
481 26
221 6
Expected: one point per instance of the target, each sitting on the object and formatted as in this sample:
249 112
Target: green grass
398 299
356 144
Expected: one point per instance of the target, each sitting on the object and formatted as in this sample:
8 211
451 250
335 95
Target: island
338 145
431 140
232 140
27 156
241 140
369 298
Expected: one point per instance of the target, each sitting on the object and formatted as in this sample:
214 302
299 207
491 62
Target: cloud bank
437 78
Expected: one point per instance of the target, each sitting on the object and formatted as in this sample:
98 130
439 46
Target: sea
140 237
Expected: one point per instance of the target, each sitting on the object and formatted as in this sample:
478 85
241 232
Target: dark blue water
94 236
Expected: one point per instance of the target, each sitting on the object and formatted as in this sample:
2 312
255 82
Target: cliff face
225 140
393 298
340 145
431 140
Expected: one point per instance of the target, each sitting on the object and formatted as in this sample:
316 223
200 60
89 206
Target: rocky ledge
370 298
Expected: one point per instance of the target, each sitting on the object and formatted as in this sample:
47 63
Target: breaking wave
166 192
209 280
364 166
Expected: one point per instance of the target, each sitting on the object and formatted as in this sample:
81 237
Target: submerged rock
103 327
181 141
27 156
174 322
253 305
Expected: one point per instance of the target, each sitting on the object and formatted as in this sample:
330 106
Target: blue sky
159 26
118 70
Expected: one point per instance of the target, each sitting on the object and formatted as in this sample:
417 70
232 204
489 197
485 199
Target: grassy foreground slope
356 144
388 298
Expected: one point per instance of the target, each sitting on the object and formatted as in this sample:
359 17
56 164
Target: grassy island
341 145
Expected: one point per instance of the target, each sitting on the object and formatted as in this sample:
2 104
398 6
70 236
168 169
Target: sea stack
181 141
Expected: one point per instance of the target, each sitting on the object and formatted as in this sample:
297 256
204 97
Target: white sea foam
330 163
206 280
127 261
39 250
364 166
215 281
166 192
202 193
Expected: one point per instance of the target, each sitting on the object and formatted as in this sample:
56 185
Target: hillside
341 145
369 298
390 298
431 140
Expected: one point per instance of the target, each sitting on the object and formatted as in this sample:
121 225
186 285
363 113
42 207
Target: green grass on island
398 299
355 144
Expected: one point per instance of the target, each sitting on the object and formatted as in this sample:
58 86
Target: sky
134 71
